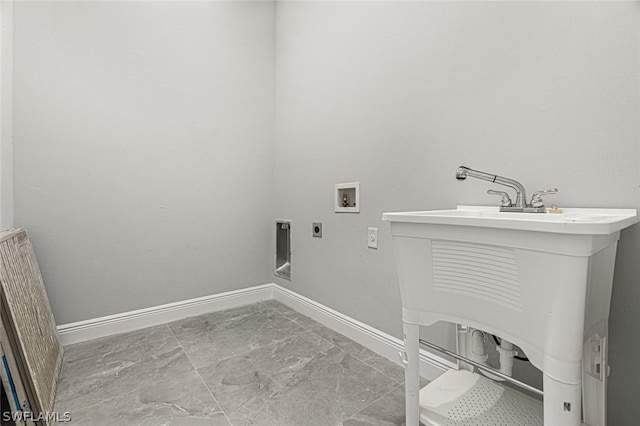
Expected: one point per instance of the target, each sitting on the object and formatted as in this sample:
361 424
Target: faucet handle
536 198
506 200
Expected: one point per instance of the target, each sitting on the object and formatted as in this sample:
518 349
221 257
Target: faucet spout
521 194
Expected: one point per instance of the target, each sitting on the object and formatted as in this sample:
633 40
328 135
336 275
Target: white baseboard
162 314
431 366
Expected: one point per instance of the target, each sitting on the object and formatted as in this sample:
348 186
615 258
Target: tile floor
262 364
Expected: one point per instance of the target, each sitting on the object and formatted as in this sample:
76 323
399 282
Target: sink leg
412 373
562 403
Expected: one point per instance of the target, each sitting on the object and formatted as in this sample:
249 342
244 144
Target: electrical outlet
372 238
316 229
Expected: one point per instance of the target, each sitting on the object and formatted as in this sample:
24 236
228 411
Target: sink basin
570 221
540 280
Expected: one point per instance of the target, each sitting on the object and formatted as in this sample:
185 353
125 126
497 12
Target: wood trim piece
30 324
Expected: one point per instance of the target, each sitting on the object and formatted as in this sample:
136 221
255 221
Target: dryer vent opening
283 249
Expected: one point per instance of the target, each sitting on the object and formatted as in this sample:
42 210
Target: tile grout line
376 400
303 330
380 371
314 357
367 364
397 384
199 375
267 308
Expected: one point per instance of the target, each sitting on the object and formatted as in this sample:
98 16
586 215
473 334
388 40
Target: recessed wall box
283 249
347 197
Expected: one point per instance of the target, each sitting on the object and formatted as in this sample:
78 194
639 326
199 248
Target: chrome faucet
521 194
506 205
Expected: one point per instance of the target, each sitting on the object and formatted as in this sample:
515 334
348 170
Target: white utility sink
540 280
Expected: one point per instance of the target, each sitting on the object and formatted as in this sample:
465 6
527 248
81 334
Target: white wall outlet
372 238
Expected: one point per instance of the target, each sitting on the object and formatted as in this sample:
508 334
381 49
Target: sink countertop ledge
594 221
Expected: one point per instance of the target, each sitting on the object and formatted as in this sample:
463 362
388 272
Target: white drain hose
479 355
505 349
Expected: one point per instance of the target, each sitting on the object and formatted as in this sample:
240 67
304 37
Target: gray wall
6 115
396 95
144 146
